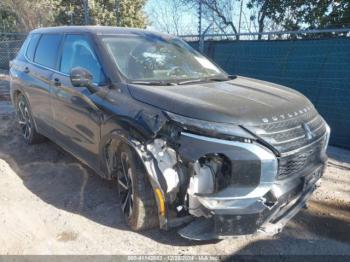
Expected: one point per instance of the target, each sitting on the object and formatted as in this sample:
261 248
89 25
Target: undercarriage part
200 229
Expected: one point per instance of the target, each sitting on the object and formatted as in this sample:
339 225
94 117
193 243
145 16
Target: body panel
241 101
76 119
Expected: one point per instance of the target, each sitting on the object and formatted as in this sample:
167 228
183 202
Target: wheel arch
149 164
15 93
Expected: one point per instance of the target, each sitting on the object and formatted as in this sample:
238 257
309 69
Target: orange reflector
160 201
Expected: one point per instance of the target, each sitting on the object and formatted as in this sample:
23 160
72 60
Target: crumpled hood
243 101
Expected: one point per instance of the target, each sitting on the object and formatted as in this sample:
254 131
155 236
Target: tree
326 14
170 16
223 15
70 12
131 13
302 14
23 16
222 11
26 15
8 21
218 12
102 12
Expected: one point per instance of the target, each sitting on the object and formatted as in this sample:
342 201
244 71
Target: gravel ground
52 204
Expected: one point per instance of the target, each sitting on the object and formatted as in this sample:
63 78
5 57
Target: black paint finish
83 121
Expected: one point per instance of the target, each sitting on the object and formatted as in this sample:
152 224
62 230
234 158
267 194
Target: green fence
320 69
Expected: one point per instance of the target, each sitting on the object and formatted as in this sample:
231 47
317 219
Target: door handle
57 82
26 70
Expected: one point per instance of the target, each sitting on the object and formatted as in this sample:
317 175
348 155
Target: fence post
86 12
201 38
8 54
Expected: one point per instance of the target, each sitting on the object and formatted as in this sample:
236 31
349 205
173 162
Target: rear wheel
25 120
137 200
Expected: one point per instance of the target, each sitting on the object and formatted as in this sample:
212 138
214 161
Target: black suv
189 145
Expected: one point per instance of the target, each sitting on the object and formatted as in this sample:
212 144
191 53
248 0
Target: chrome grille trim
288 141
290 134
285 154
298 147
298 162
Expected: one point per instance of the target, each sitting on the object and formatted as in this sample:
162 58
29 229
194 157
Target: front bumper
248 208
267 221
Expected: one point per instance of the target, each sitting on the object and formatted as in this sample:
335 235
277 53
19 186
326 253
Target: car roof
99 30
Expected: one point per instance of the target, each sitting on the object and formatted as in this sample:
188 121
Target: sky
161 16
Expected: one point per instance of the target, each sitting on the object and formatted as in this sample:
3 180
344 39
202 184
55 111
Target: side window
32 45
47 50
77 52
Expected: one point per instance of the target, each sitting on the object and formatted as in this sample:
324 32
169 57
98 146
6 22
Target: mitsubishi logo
308 133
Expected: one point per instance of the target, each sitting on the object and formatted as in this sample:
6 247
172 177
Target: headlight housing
213 129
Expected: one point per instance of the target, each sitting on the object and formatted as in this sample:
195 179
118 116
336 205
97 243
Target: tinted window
31 46
47 50
77 52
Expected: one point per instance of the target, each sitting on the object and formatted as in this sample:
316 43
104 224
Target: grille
290 134
299 161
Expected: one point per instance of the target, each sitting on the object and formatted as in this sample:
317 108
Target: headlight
211 128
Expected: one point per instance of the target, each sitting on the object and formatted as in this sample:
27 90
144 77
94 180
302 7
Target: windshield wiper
206 79
153 83
189 81
218 79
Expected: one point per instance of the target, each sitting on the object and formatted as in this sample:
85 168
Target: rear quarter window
33 41
47 50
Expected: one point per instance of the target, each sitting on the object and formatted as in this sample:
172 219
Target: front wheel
137 200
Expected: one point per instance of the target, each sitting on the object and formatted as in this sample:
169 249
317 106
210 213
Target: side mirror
81 77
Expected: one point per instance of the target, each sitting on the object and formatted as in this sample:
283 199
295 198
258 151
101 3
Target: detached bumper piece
268 221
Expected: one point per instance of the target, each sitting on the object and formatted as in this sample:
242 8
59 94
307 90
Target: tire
141 212
25 120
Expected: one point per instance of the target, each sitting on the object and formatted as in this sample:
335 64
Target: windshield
153 58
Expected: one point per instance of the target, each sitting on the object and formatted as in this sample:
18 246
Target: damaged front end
220 180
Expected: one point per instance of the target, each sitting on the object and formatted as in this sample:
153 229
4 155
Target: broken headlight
213 129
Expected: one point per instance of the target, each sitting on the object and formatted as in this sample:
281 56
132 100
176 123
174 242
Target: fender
14 91
149 163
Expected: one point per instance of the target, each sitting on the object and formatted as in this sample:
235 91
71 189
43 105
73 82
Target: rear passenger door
42 58
77 119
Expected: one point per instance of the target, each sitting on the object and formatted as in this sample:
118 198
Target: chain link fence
10 43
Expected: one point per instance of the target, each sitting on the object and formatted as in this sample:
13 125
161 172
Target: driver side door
77 119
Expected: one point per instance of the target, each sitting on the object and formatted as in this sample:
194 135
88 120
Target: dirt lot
52 204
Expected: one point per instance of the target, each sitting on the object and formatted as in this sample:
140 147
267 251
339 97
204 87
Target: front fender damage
184 171
219 184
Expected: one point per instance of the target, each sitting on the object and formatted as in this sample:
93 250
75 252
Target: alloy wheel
24 119
125 185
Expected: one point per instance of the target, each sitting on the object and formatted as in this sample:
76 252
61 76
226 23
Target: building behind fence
317 67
